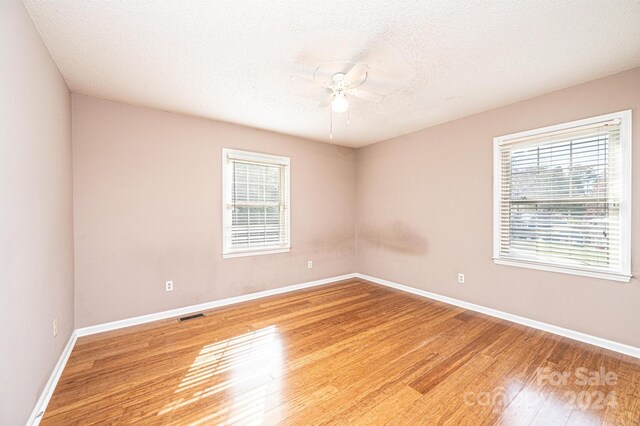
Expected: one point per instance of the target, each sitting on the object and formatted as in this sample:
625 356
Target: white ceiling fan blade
367 95
327 100
308 79
306 73
357 74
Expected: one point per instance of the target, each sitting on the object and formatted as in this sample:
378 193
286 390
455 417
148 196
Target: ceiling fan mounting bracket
335 75
338 77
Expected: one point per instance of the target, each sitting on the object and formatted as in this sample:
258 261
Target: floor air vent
190 317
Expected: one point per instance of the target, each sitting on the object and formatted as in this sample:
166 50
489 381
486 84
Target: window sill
255 253
561 269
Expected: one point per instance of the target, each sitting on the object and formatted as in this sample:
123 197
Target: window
562 198
256 203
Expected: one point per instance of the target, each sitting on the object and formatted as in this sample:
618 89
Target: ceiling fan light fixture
340 103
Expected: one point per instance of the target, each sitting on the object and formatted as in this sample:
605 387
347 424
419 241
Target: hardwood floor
346 353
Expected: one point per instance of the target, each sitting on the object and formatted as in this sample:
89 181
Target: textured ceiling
435 61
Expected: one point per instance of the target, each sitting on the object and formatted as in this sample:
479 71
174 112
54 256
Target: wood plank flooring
346 353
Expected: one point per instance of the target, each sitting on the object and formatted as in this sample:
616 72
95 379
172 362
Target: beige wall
147 203
36 222
147 210
424 213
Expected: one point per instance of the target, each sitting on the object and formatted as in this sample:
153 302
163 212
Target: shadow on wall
396 237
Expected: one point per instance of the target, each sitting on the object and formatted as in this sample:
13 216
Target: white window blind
256 203
562 198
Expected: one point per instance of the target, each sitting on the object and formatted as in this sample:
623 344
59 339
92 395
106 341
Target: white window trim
262 158
625 202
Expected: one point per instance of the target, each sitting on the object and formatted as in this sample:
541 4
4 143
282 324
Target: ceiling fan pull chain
330 123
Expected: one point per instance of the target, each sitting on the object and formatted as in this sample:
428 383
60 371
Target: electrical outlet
310 264
55 327
461 278
168 286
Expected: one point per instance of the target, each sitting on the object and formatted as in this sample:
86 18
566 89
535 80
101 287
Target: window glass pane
559 198
257 209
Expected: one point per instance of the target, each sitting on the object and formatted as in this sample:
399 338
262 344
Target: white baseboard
43 401
114 325
571 334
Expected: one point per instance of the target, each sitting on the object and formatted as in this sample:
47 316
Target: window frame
624 273
227 153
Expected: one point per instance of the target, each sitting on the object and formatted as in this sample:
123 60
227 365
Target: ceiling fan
343 80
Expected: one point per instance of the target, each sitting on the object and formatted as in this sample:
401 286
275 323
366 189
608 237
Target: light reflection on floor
245 370
542 404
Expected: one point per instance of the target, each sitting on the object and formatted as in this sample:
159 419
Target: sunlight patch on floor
245 370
